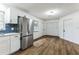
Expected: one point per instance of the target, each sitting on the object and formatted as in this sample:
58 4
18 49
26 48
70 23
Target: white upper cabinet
7 15
11 15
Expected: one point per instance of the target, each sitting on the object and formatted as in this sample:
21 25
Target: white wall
51 27
75 24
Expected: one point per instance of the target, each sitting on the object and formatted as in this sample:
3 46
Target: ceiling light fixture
51 12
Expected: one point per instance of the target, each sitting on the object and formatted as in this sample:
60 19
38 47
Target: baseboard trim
51 36
45 36
38 38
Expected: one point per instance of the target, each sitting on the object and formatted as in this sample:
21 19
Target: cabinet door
15 43
7 15
4 45
13 15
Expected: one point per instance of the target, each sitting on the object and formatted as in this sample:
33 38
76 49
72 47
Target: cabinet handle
16 36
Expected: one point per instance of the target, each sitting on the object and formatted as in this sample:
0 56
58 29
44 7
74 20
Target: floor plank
51 46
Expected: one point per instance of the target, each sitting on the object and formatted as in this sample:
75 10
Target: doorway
68 29
52 28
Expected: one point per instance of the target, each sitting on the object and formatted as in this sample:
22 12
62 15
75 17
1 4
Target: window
2 20
36 26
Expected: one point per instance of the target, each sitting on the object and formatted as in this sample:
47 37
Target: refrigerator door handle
28 28
26 35
27 24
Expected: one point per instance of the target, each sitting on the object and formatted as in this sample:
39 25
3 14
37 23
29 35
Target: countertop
7 34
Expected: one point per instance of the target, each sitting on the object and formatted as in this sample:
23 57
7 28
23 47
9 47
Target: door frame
53 22
64 25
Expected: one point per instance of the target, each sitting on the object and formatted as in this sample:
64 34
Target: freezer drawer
26 42
30 40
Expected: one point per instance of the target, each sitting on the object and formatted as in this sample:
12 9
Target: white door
52 28
68 29
76 31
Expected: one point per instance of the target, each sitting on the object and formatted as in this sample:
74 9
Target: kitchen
51 30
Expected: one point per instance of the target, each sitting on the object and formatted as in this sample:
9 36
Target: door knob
63 30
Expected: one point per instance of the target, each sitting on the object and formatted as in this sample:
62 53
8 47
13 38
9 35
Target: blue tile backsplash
10 28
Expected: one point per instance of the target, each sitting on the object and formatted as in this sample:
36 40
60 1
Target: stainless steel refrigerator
26 32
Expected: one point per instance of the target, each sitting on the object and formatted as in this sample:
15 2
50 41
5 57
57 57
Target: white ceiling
39 9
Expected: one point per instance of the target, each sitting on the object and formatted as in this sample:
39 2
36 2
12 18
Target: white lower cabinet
4 45
9 44
15 43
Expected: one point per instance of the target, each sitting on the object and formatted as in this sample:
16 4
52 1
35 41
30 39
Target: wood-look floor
51 46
